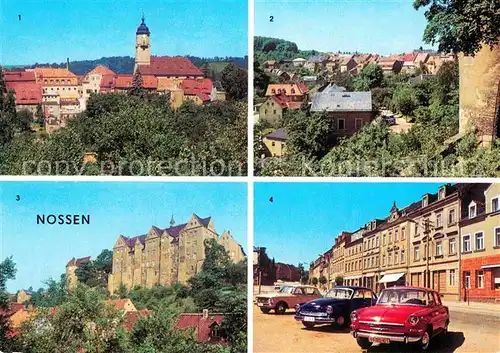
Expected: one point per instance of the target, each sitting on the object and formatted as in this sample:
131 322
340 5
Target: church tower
142 45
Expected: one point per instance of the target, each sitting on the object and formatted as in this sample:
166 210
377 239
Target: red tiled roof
48 72
409 57
131 318
126 81
291 89
201 325
26 92
19 76
170 66
101 70
202 84
286 102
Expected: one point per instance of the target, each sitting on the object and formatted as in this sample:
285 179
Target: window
403 233
359 123
472 210
273 143
495 274
467 279
466 243
441 193
439 222
396 257
479 240
496 232
390 238
396 235
480 279
378 242
451 217
452 278
383 239
452 246
402 256
416 253
439 248
274 111
389 261
495 205
383 260
341 124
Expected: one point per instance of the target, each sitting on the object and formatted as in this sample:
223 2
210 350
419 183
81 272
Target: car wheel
265 310
280 308
363 342
425 341
341 322
308 325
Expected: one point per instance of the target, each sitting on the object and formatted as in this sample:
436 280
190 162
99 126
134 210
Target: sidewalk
491 309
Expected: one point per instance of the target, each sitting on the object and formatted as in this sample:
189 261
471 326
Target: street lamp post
427 226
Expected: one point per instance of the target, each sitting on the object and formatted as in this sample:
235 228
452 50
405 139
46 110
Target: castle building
166 256
71 267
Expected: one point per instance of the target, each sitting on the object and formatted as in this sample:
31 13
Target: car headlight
297 308
413 319
329 310
354 316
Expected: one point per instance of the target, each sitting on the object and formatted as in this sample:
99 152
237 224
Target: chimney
67 63
205 313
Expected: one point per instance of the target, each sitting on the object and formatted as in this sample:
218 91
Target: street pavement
469 332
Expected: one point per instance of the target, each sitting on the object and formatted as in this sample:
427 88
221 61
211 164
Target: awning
393 277
490 266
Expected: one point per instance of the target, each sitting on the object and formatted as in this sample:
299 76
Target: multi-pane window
480 279
396 235
438 220
466 243
439 248
390 259
403 233
467 279
377 240
496 232
416 253
402 256
452 277
396 257
390 237
453 246
383 239
479 240
383 260
451 217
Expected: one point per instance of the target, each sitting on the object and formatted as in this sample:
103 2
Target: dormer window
441 193
472 209
425 200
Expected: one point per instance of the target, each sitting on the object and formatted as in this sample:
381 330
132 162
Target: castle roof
172 231
78 262
48 72
142 29
170 66
19 76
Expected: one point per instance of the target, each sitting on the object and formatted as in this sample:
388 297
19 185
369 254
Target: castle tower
142 45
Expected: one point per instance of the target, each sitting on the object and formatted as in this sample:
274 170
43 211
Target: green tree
339 280
54 294
137 88
95 273
323 280
235 82
370 77
405 101
7 272
314 281
461 26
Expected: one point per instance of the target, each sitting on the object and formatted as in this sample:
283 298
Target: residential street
471 333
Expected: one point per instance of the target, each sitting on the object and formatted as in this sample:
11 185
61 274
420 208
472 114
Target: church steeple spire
172 221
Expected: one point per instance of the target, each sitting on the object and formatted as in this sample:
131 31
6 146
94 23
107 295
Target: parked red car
402 314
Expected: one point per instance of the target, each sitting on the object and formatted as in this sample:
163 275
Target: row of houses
354 63
62 94
267 272
448 241
206 326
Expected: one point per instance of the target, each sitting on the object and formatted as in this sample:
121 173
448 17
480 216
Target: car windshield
286 289
339 293
403 296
